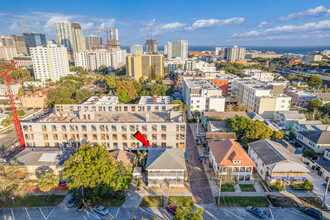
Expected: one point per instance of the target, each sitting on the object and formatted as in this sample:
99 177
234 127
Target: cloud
313 12
107 23
50 24
87 26
213 23
2 13
14 27
265 24
311 26
172 26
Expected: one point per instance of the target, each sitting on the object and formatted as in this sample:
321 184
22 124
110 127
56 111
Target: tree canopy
248 130
188 213
315 81
48 181
125 91
92 168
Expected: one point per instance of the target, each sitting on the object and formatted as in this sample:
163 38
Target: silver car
100 209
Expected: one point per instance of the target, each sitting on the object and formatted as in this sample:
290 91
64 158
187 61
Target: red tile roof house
231 155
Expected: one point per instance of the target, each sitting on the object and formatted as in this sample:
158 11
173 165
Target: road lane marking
250 214
117 213
12 213
42 214
51 212
27 213
233 214
271 213
94 213
298 213
150 213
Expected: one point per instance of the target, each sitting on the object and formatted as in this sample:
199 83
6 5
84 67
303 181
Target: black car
312 212
71 202
272 199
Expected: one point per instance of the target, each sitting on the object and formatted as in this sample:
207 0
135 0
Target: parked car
201 135
272 199
311 212
100 209
325 186
72 202
172 209
256 211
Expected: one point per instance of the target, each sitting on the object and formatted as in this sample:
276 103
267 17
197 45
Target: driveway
199 184
319 190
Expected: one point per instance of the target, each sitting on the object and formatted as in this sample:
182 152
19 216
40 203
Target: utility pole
220 182
197 127
325 193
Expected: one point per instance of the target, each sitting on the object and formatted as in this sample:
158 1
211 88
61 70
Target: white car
100 209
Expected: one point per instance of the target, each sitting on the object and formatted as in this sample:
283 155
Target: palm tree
48 181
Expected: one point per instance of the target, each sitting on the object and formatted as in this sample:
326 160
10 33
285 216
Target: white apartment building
205 67
118 58
307 58
262 98
155 100
63 33
177 49
7 48
92 41
102 100
235 53
78 39
259 75
136 48
50 62
202 95
173 64
112 126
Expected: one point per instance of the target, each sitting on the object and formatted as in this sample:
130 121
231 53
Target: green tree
314 104
82 95
103 69
166 70
137 85
315 81
110 81
93 169
48 181
278 135
188 214
292 135
130 93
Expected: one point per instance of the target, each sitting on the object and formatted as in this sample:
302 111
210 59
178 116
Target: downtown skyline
281 23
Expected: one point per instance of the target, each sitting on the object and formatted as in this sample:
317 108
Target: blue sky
209 23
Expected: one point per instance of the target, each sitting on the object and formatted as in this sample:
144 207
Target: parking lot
210 212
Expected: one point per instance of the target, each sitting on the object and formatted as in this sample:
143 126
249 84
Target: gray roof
325 164
254 116
40 157
277 155
318 137
267 153
218 125
166 159
292 115
308 122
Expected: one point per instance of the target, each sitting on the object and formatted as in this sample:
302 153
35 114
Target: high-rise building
230 53
78 39
92 41
7 48
118 58
177 49
144 65
33 40
50 62
114 39
151 46
136 48
63 34
19 44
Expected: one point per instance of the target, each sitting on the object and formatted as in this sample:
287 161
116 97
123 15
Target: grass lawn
314 202
242 201
179 200
112 202
152 201
32 201
247 188
227 188
8 131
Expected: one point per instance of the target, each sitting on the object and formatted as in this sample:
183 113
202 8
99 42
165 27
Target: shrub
120 194
305 186
313 167
279 186
319 173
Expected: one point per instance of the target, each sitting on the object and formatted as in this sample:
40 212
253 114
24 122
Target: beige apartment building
112 126
143 65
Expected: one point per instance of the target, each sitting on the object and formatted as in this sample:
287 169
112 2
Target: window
154 128
45 136
123 128
114 127
93 128
114 137
83 127
55 137
144 128
154 137
124 137
182 136
163 127
94 137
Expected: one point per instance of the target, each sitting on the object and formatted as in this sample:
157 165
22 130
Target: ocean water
277 49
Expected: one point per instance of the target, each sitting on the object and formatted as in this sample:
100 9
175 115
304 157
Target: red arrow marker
140 137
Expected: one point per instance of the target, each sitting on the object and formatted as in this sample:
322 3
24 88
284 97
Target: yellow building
144 65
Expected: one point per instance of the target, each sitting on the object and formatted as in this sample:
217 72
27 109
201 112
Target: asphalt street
210 212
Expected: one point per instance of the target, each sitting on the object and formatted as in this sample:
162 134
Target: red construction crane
107 30
16 122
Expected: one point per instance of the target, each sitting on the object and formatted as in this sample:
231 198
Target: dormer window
237 161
